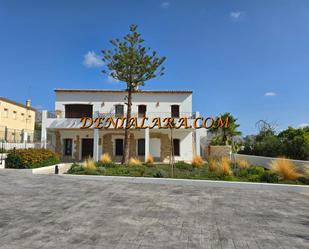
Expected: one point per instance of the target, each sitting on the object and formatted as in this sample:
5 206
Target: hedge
30 158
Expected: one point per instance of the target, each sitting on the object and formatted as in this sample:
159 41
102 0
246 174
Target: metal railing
18 135
113 114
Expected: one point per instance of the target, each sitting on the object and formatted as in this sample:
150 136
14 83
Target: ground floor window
141 147
119 147
176 143
68 146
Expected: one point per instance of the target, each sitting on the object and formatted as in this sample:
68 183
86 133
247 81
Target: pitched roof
16 103
123 91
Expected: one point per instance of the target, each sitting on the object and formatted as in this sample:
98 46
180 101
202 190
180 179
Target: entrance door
87 148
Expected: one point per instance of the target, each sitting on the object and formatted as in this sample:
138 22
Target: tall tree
129 61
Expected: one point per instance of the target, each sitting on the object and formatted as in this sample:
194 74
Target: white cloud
91 59
303 125
165 5
236 15
270 94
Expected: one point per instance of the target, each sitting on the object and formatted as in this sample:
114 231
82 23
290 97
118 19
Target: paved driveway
72 212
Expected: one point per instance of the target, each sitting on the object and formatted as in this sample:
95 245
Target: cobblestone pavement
76 212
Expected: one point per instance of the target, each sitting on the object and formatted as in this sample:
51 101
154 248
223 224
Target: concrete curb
204 183
50 170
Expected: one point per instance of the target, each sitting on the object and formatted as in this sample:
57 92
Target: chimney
28 103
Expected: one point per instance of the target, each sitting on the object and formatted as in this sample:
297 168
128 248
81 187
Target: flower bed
221 169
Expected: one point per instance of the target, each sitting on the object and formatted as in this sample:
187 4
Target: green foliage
183 165
290 143
30 158
100 164
255 170
296 143
129 61
269 177
224 134
253 178
159 173
183 171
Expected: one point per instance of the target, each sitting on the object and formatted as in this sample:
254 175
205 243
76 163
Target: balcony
58 119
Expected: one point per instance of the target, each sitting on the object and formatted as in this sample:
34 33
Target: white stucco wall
105 102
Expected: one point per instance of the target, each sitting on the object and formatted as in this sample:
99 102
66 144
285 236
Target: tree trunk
126 152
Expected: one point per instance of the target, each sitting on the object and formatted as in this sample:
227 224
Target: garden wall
217 151
265 161
9 146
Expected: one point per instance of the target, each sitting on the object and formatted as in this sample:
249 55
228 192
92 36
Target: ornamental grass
197 162
285 169
105 158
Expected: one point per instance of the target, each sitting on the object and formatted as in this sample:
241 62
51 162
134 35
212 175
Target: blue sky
250 58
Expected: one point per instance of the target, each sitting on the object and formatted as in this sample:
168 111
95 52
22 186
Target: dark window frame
119 151
175 113
78 110
68 146
117 113
142 113
141 150
176 145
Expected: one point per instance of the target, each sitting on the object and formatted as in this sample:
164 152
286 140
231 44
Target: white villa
61 128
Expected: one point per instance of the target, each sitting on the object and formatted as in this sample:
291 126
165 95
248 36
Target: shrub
76 168
30 158
106 159
100 164
269 177
256 170
197 162
137 171
159 173
89 165
285 169
134 162
213 165
183 165
150 160
253 178
242 164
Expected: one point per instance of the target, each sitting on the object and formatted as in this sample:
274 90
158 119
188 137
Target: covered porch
77 145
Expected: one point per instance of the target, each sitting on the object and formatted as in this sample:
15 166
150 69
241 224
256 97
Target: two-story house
61 128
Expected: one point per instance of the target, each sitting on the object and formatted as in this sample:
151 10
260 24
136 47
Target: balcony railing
150 115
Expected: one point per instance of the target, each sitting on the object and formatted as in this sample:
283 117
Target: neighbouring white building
61 128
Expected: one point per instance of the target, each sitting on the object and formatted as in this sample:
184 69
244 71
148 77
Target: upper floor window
78 110
6 113
119 111
14 115
175 111
142 111
22 115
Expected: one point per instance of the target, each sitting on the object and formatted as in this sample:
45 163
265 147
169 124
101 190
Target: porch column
43 130
96 145
197 138
146 143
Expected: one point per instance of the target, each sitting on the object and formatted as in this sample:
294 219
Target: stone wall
217 151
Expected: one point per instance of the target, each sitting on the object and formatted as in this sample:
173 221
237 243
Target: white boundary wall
9 146
265 161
